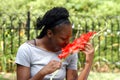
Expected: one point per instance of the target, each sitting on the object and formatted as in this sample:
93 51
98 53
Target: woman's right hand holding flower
51 67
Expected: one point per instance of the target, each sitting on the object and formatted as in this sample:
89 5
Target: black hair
52 18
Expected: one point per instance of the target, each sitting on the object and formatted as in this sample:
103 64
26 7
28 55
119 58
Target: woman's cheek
63 45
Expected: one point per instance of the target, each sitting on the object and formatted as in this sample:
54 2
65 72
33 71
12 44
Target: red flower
77 44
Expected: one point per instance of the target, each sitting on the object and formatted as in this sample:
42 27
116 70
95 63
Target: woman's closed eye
64 39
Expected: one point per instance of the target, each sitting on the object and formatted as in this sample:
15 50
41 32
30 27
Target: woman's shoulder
27 44
23 46
72 56
24 49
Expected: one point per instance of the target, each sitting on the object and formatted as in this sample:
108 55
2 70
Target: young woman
37 59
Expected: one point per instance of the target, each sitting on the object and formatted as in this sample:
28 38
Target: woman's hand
89 52
51 67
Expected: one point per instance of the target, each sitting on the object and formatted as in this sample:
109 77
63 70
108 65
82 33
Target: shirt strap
35 42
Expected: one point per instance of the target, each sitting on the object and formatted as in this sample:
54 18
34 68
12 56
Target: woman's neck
45 44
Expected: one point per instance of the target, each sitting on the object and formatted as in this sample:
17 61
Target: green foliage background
82 7
85 14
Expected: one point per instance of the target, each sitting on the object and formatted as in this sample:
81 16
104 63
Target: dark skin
53 42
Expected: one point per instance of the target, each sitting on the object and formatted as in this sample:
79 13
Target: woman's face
61 36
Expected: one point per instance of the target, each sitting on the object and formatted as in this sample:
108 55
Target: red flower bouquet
76 45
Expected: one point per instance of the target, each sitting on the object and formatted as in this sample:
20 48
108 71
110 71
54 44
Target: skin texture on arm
84 74
71 74
23 73
89 52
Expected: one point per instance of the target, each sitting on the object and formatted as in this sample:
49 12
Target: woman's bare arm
23 73
71 74
89 52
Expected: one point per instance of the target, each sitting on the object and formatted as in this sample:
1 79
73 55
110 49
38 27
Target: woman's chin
58 49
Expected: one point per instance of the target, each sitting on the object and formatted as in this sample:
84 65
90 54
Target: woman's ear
49 33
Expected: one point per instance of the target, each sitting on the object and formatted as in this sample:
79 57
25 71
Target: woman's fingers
88 49
51 67
56 64
88 46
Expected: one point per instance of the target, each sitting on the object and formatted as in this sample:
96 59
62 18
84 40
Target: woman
38 59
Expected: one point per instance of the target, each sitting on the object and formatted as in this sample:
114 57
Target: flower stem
98 33
54 74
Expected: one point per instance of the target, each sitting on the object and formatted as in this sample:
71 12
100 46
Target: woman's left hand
89 52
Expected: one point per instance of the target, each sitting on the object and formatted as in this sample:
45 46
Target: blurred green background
17 24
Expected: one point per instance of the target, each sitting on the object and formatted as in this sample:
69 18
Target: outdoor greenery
92 76
86 15
83 7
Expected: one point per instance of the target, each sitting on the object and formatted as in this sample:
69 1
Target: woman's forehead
64 30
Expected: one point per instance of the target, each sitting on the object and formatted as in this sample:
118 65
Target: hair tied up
39 23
